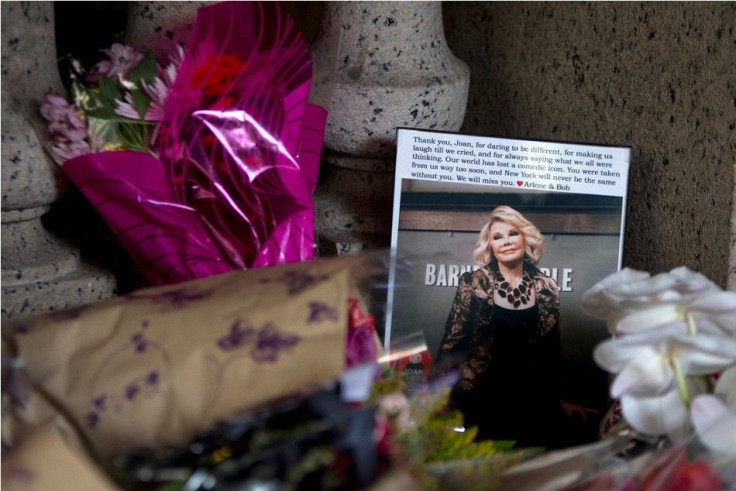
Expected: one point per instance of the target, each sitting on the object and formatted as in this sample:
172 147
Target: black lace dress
513 399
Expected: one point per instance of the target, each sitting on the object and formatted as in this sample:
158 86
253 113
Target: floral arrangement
115 106
673 353
207 163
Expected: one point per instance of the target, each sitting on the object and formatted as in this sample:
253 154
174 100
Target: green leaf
109 91
145 71
104 98
84 98
102 130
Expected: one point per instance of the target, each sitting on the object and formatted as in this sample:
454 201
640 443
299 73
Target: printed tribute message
520 164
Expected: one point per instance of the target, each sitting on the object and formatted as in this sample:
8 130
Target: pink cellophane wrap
239 150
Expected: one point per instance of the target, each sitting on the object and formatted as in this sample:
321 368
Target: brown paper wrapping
44 460
156 366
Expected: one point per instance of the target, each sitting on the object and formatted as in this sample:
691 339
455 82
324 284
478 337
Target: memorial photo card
446 187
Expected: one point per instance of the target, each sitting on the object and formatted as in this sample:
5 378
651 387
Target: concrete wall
659 77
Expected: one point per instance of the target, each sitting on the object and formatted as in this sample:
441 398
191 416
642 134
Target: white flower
714 416
652 362
633 301
672 331
593 301
665 414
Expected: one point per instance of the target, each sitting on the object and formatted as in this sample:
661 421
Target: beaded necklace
518 296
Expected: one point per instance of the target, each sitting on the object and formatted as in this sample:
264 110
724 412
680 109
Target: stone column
378 66
731 279
40 272
161 26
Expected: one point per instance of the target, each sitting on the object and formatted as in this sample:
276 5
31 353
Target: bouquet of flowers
673 353
205 165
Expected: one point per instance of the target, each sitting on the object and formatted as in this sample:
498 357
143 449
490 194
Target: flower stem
691 327
681 385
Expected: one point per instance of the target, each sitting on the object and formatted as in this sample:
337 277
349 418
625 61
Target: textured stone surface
29 177
660 77
85 284
350 178
392 67
161 26
40 271
378 66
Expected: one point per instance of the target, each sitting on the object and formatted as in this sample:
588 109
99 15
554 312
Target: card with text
447 185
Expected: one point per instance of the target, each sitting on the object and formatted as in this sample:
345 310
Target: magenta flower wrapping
236 148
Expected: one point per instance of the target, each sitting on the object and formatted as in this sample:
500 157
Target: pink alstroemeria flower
72 128
126 108
54 108
63 118
122 60
158 92
67 130
62 151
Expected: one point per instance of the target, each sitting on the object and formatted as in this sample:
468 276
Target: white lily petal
658 415
726 387
715 424
704 354
654 315
591 300
648 374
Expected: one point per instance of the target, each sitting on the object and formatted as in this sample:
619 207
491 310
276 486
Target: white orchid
671 332
714 416
633 301
654 370
666 414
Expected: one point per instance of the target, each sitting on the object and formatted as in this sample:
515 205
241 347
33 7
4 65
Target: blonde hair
482 254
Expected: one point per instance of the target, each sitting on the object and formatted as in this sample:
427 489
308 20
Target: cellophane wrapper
237 155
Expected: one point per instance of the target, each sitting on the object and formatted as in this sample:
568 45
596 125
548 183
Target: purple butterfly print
70 313
270 342
20 328
320 312
100 403
139 342
131 390
297 281
20 475
92 419
152 378
237 337
178 298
